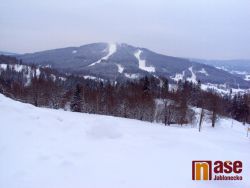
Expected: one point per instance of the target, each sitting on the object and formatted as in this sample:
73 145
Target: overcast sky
211 29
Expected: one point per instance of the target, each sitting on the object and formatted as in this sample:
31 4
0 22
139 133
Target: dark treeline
147 99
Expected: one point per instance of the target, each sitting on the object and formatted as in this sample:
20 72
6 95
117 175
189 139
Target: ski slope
45 148
142 63
193 76
111 50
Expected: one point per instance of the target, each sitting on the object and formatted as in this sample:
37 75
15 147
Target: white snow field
45 148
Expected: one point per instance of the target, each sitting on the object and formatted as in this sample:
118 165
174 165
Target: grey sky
214 29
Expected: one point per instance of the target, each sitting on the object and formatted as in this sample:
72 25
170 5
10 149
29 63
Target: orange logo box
202 170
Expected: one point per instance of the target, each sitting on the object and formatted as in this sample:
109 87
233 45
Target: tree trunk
213 119
201 118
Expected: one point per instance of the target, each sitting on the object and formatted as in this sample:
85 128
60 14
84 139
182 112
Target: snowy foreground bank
44 148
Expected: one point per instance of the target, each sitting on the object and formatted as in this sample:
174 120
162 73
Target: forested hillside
148 98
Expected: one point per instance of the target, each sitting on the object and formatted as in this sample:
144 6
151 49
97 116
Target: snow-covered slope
237 67
28 72
142 62
8 53
111 50
44 148
193 76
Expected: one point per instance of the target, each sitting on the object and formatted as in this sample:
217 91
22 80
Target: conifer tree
76 103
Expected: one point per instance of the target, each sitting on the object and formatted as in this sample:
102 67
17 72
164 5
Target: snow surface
3 66
193 77
120 68
45 148
131 76
239 72
53 77
62 78
220 88
38 72
178 77
92 78
247 77
203 71
222 68
112 49
14 67
18 68
28 71
74 51
223 89
142 63
47 66
243 73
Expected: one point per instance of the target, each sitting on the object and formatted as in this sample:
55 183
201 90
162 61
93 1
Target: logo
202 170
217 170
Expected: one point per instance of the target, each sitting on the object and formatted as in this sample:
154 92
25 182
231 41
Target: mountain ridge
123 61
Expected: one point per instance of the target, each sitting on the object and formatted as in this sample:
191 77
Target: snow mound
45 148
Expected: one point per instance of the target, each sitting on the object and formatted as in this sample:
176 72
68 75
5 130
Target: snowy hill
122 61
8 53
238 67
44 148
